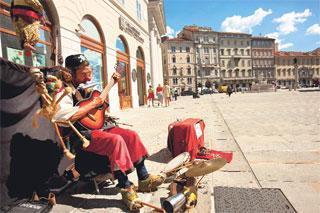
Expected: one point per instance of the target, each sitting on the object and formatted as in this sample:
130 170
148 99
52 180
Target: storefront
106 32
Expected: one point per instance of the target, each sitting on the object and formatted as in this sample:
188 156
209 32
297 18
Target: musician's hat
73 62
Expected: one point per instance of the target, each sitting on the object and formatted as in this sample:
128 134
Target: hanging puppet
27 16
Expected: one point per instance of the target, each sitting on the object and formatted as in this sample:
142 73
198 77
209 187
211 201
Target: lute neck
106 90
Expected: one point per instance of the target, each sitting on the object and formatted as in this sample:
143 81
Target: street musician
123 147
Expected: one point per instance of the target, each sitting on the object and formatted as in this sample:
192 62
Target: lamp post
198 62
295 62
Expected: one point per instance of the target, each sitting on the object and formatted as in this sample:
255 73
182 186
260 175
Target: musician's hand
116 76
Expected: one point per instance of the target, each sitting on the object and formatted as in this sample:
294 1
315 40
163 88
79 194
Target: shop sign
128 28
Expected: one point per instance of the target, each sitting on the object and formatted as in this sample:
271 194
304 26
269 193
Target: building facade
107 32
179 64
263 51
205 42
235 59
297 68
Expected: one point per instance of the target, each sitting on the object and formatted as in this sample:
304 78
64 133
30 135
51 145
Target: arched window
173 59
237 73
10 43
124 85
92 46
189 70
223 73
174 71
120 45
139 54
188 59
243 73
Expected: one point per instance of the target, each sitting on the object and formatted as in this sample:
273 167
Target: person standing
150 96
175 94
167 94
159 92
229 90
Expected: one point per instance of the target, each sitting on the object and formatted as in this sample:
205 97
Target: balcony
209 65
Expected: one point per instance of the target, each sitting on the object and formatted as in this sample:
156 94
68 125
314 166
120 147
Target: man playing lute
122 147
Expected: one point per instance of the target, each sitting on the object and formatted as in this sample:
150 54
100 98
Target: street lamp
196 71
295 62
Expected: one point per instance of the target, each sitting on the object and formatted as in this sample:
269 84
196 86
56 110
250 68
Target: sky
295 24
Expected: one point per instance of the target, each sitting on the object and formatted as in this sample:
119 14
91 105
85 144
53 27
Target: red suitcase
186 136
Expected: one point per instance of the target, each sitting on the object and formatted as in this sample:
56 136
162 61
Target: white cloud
281 45
284 46
288 21
318 42
314 29
244 24
170 32
177 32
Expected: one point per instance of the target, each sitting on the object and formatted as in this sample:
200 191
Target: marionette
27 16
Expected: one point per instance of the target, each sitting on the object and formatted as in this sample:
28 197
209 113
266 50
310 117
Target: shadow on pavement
163 156
82 196
91 203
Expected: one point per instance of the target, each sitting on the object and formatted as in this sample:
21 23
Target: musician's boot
151 183
131 199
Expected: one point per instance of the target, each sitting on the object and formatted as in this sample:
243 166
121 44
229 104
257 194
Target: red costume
123 147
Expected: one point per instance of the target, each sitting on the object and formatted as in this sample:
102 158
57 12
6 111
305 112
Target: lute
96 117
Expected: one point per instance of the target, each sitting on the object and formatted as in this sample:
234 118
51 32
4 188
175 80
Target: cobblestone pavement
275 138
279 135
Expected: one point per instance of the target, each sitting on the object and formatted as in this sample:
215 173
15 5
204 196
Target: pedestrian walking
175 94
229 90
150 96
159 92
167 94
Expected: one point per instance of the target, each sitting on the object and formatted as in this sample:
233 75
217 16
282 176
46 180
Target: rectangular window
187 49
174 81
222 63
207 61
181 49
138 4
173 49
189 80
206 50
222 52
242 63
